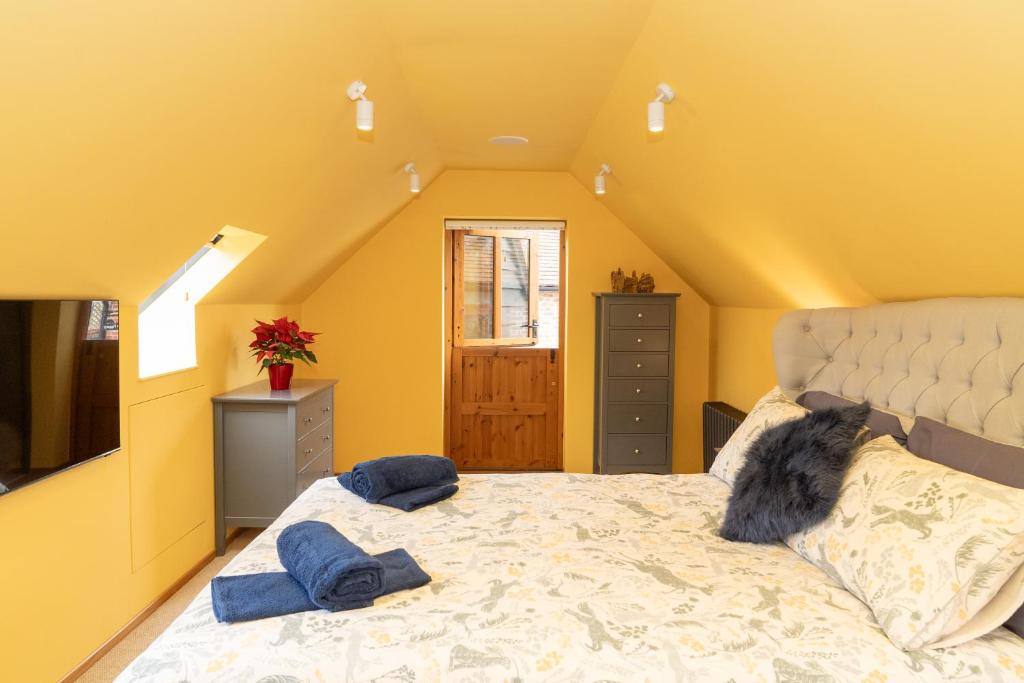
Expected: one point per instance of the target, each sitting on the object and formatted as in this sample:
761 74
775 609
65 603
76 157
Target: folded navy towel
274 594
376 479
410 500
336 573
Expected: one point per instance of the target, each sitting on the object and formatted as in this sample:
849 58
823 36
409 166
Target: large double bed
573 577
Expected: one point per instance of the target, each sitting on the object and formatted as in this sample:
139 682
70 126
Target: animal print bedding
564 577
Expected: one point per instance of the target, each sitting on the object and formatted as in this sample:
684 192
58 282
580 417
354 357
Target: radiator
720 421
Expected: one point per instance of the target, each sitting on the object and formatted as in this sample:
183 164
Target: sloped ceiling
536 68
132 131
818 152
824 153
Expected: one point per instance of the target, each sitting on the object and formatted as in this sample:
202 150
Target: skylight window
167 320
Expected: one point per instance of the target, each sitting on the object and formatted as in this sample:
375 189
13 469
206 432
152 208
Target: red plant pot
280 376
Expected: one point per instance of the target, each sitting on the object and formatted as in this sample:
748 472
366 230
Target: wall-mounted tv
59 393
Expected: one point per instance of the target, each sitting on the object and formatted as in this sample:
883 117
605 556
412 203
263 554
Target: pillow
773 408
792 475
975 455
936 554
879 422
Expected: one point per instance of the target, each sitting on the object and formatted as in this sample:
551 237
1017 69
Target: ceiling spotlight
364 108
656 109
599 184
414 177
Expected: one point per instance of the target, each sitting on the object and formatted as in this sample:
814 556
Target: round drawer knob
636 419
639 315
639 365
636 451
639 340
308 451
638 390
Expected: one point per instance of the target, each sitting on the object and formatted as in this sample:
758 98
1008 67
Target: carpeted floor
115 661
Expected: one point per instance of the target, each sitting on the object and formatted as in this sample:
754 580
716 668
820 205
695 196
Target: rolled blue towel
274 594
410 500
336 573
377 479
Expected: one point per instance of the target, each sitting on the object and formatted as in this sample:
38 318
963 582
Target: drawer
312 445
637 450
322 467
637 419
622 364
657 314
637 390
313 412
638 340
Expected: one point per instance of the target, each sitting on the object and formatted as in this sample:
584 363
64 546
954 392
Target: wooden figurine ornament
618 280
645 285
629 286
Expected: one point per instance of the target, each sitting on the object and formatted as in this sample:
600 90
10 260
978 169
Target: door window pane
549 246
478 287
515 286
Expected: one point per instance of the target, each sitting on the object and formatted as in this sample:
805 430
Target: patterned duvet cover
563 577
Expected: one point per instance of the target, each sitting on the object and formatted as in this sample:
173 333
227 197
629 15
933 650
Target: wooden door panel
505 408
504 442
504 376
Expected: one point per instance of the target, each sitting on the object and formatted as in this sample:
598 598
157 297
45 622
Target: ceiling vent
508 140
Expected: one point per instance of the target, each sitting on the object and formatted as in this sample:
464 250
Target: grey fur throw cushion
792 475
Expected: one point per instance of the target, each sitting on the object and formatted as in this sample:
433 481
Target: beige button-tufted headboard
957 361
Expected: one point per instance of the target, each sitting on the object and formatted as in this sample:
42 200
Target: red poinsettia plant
281 342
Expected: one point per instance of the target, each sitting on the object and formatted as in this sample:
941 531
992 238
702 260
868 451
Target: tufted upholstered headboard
957 361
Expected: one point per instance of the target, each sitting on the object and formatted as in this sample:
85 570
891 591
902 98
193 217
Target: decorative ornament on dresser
629 286
632 284
618 280
277 344
645 285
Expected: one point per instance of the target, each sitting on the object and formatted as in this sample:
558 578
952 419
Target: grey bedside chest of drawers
634 382
269 446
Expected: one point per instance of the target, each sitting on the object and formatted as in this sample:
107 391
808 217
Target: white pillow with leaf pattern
772 409
937 554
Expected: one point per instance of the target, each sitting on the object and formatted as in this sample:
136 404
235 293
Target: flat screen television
59 393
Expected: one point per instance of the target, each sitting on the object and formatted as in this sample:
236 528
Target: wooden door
505 408
504 392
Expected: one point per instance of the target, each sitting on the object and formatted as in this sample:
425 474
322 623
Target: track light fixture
599 184
364 108
414 177
656 109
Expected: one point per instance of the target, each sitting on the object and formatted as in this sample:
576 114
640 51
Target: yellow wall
86 550
381 317
742 369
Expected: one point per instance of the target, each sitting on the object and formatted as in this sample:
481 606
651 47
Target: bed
622 578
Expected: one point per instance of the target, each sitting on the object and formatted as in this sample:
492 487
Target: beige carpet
118 659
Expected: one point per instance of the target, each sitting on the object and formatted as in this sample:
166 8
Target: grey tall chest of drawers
269 446
634 382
